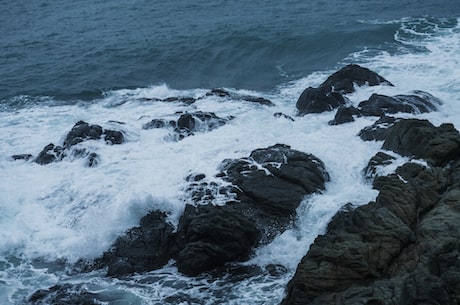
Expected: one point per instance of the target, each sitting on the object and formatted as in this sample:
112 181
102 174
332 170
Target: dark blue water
78 49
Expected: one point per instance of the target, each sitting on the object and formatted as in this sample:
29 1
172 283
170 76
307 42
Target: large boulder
146 247
314 100
344 80
401 249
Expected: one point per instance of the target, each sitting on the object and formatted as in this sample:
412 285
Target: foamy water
65 211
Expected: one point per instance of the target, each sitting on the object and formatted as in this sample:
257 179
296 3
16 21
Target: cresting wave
65 211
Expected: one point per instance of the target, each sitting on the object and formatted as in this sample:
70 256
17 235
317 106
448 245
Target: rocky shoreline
401 249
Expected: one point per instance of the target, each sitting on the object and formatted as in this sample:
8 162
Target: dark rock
282 115
248 98
379 130
63 294
159 123
82 131
420 139
379 160
25 157
401 249
49 153
344 80
345 115
277 177
113 137
313 100
379 105
212 236
189 123
142 248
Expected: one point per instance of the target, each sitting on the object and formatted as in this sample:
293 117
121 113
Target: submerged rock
189 123
345 115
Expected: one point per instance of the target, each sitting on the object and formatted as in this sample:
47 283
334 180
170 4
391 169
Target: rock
49 153
265 190
379 130
213 235
379 105
146 247
379 160
189 123
248 98
82 131
64 294
276 178
313 100
420 139
282 115
345 115
344 80
25 157
401 249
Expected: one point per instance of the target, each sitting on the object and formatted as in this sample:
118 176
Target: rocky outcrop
404 247
379 105
345 80
80 132
265 190
330 94
189 123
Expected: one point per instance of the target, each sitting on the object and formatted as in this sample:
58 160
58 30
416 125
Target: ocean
109 62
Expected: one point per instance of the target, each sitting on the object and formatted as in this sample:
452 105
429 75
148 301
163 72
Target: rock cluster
265 190
404 247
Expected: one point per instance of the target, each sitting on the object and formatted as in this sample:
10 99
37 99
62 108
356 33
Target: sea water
51 216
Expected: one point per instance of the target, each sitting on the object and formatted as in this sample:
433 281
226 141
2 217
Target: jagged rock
146 247
314 100
400 249
49 153
421 139
248 98
64 294
377 161
344 115
379 130
266 188
344 80
282 115
379 105
189 123
213 235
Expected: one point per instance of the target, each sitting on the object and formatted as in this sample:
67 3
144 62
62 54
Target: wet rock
345 115
282 115
63 294
259 203
379 105
379 130
421 139
213 235
189 123
82 131
248 98
314 100
146 247
379 160
25 157
344 80
49 153
400 249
